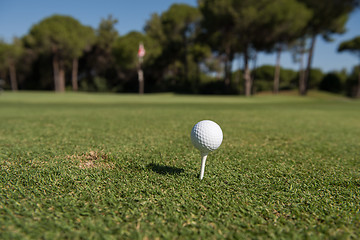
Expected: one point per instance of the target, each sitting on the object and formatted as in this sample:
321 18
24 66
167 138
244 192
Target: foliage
329 17
316 76
279 25
9 57
331 83
99 61
103 166
10 52
176 31
242 26
281 28
125 50
352 45
3 56
264 77
106 33
185 46
65 38
61 34
230 27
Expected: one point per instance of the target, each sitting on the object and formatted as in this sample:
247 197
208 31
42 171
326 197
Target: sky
18 16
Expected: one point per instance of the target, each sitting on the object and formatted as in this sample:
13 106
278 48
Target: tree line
188 49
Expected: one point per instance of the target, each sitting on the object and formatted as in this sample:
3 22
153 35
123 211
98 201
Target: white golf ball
206 136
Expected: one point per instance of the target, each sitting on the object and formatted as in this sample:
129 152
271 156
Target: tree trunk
308 67
238 74
301 71
247 77
228 67
358 86
226 73
12 70
56 72
74 74
277 71
61 77
301 81
253 73
197 79
186 64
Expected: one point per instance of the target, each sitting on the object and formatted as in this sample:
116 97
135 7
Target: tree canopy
65 37
352 46
329 17
9 55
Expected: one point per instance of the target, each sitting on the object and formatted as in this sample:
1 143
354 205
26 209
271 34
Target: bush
331 83
217 87
316 76
98 84
264 78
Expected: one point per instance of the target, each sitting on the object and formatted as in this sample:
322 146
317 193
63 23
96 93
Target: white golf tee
203 161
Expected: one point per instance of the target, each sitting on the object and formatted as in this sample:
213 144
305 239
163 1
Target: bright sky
17 17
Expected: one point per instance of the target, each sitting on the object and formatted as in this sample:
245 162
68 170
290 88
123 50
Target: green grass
102 166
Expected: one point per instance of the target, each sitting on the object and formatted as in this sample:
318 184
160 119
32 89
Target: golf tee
203 161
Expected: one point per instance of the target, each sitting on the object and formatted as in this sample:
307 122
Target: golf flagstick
203 161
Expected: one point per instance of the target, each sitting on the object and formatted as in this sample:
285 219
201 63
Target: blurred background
194 47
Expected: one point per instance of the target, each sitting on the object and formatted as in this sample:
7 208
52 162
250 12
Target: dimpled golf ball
206 136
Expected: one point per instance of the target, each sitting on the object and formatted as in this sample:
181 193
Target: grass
102 166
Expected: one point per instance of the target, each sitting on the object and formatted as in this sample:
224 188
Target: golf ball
206 136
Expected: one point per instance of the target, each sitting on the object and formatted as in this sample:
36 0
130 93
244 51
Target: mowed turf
102 166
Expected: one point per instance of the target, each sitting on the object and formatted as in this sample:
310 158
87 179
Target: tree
106 34
265 78
283 21
179 24
352 82
329 17
249 26
317 76
65 38
220 26
9 56
84 41
125 50
176 32
331 83
298 49
98 64
198 52
154 30
352 46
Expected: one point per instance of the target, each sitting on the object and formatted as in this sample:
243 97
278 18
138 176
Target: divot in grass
92 159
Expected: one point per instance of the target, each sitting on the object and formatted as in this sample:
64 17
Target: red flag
141 51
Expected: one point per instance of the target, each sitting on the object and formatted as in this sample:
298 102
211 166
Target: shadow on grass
164 170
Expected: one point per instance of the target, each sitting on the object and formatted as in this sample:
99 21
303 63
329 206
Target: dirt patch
92 159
